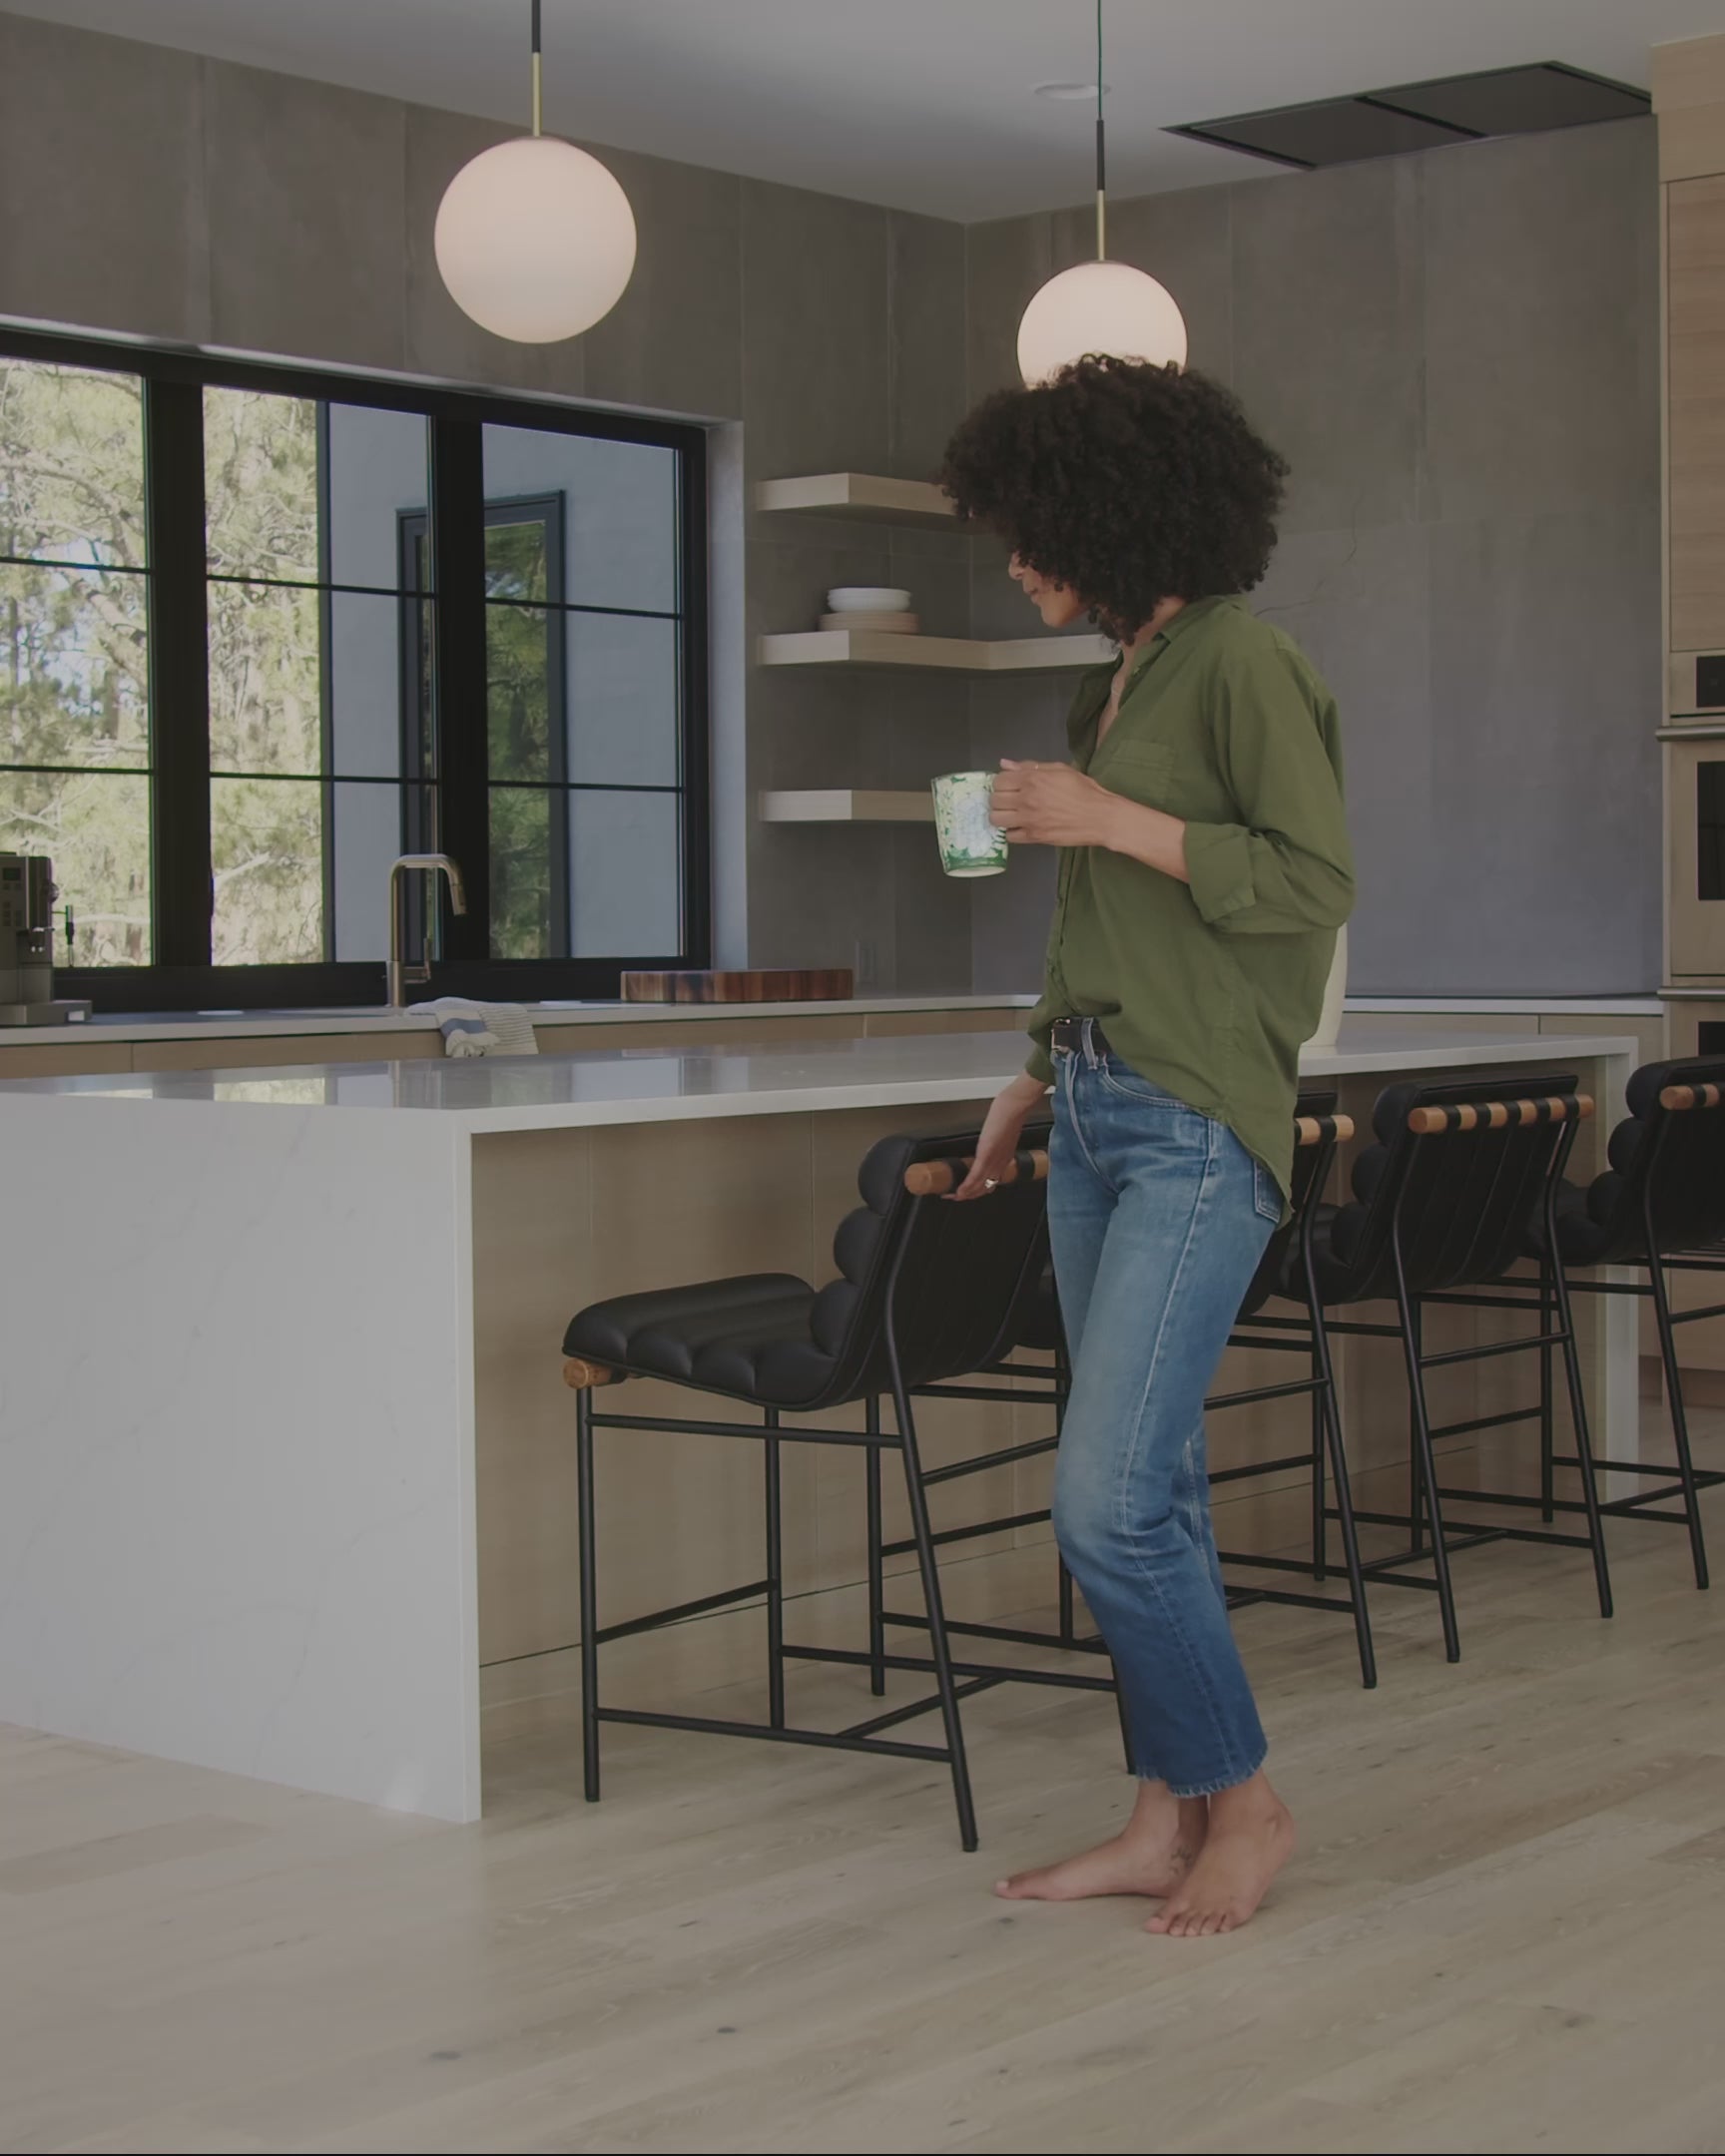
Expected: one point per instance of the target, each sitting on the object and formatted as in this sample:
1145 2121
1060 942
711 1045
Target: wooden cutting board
833 985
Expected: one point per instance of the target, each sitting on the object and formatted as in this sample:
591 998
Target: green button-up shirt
1209 988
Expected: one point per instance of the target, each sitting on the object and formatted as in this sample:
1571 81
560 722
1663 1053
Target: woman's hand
1053 804
1056 805
1011 1108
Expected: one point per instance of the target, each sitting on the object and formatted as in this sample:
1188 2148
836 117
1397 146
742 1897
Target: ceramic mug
970 844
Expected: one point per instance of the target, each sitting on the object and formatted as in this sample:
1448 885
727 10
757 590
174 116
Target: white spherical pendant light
535 239
1100 306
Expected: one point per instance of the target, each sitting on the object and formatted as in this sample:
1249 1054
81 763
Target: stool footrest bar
835 1741
1093 1643
678 1612
991 1672
909 1711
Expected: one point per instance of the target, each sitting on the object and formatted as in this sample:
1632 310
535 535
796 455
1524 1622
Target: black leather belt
1067 1036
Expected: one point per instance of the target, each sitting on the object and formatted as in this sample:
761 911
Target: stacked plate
883 608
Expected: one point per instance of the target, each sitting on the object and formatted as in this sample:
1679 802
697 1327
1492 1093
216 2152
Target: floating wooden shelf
858 494
941 655
846 805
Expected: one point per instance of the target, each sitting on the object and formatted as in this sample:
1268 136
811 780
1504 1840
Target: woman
1204 869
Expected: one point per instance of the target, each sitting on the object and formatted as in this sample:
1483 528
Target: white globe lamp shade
535 239
1100 306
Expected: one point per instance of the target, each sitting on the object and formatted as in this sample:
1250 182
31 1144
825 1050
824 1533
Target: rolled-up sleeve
1286 868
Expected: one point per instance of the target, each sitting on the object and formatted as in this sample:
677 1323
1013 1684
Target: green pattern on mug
970 845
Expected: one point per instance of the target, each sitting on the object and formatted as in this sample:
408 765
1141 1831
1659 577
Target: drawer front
1695 859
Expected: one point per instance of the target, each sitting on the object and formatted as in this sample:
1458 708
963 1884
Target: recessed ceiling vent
1420 116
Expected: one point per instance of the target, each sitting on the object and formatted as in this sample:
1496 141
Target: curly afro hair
1126 482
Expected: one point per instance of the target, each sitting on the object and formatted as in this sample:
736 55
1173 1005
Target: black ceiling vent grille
1420 116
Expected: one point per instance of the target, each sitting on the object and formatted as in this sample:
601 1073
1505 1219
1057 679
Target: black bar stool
1287 1269
1038 1327
1659 1205
1442 1207
925 1292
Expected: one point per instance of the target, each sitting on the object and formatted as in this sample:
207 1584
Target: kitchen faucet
400 973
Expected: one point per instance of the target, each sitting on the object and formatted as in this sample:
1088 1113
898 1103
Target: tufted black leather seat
1673 1160
771 1339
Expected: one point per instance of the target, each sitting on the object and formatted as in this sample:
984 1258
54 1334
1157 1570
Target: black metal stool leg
939 1648
1415 1484
876 1565
588 1558
775 1577
1328 1407
1424 1462
1320 1496
1679 1416
1548 1433
1583 1442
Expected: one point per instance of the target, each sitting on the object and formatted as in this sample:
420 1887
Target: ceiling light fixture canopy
535 239
1101 305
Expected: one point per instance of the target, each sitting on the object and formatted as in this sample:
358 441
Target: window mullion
178 674
461 719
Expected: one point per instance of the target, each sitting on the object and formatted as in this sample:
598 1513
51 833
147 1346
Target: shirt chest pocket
1141 770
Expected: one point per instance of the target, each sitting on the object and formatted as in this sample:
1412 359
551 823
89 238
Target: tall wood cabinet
1689 98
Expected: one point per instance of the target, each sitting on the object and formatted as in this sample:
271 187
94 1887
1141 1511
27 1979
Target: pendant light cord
538 75
1101 161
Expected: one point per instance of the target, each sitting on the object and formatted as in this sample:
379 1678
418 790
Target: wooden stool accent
581 1376
1498 1115
1680 1097
1311 1130
934 1179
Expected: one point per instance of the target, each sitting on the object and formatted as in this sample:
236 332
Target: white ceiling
921 104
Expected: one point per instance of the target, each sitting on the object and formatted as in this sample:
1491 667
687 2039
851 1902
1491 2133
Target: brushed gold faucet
400 973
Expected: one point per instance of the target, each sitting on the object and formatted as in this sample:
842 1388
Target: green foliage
74 660
520 871
265 678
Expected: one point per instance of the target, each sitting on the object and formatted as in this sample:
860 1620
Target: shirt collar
1098 679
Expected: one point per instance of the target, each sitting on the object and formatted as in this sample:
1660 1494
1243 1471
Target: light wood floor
1506 1930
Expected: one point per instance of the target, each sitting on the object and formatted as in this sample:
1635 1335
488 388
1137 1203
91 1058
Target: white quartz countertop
646 1085
299 1024
290 1024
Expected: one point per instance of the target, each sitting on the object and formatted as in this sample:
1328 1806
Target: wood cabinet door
1695 388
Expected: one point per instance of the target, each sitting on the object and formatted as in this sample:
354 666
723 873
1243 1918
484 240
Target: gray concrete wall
156 193
1457 353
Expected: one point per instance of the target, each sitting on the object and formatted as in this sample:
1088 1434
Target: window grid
180 773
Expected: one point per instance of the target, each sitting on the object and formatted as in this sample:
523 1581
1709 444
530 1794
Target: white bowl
868 599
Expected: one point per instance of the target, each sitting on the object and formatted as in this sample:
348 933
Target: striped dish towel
481 1029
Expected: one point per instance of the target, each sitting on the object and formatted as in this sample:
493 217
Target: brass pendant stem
538 73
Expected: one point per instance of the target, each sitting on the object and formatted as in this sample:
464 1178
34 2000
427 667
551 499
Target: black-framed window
261 630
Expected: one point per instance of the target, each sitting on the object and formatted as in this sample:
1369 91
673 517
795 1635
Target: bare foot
1251 1838
1152 1856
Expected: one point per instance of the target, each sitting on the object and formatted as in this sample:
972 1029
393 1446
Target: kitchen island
284 1452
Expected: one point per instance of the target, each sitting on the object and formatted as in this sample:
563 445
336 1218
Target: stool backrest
1315 1138
1460 1174
1667 1158
947 1276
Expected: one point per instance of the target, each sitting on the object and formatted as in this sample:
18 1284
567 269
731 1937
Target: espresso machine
27 896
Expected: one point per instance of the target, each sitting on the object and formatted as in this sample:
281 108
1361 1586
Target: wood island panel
77 1059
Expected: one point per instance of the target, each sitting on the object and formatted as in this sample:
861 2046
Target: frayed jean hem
1209 1789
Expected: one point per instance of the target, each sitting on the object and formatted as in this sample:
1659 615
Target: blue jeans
1158 1216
